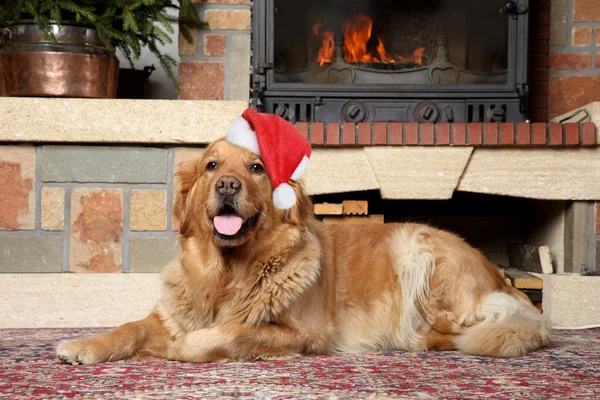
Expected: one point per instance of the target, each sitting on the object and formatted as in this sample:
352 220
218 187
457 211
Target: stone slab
151 254
571 300
17 187
148 210
53 209
418 172
339 171
19 254
76 300
115 121
541 173
104 164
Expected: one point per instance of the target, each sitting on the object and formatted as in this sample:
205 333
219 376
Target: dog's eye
257 168
211 166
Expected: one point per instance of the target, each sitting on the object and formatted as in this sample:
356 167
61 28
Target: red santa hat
284 151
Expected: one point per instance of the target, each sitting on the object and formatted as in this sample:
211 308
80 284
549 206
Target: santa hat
284 151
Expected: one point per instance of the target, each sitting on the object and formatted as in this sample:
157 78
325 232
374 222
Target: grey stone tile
31 254
104 164
239 65
151 254
559 15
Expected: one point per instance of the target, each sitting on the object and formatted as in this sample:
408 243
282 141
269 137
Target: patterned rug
570 369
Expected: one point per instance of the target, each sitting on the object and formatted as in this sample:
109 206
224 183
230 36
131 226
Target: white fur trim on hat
284 196
242 135
301 168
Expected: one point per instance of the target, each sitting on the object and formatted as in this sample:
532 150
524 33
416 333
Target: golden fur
293 286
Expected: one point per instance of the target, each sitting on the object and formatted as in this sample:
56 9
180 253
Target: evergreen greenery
127 25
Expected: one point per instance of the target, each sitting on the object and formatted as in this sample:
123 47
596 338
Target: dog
254 282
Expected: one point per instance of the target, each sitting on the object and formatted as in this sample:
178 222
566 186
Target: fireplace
390 60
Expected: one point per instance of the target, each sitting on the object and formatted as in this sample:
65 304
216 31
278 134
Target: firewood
529 257
523 280
328 209
369 219
355 207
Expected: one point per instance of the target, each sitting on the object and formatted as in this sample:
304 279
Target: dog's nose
228 185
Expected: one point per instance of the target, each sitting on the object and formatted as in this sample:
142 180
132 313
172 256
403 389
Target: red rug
570 369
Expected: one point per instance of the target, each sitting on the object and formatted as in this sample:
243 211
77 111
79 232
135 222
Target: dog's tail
509 327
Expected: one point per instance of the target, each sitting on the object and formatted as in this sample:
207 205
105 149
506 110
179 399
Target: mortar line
591 236
67 231
126 229
38 189
170 190
30 233
227 66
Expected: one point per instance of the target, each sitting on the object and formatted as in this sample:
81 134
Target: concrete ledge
115 121
75 300
571 300
90 300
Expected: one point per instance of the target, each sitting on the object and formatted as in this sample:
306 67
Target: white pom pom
284 196
241 134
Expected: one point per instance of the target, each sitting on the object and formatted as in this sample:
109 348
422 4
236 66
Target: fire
357 33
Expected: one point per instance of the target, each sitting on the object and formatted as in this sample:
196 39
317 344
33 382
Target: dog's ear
185 178
302 211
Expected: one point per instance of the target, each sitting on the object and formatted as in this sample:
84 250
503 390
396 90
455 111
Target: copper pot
79 65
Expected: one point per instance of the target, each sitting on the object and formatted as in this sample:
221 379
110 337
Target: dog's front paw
82 352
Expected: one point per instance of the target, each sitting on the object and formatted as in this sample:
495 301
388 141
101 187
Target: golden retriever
283 284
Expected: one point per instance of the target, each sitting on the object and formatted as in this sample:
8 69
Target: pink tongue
228 224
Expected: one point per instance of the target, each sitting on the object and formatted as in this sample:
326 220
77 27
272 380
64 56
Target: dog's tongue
228 224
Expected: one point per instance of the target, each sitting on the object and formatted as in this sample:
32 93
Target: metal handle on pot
5 33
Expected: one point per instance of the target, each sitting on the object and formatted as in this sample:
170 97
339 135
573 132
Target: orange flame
325 54
357 33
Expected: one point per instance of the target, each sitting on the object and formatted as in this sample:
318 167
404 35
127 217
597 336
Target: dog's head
227 195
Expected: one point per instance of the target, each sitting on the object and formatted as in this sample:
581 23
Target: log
355 207
528 257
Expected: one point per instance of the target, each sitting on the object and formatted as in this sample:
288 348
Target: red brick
507 133
364 133
459 133
443 133
539 133
588 133
555 134
597 36
570 61
333 133
302 127
570 92
214 45
539 74
380 134
539 88
582 36
571 134
491 133
412 133
586 11
539 47
538 101
541 18
538 115
348 133
427 133
523 133
597 224
475 132
539 60
541 32
200 80
598 57
543 5
316 133
396 133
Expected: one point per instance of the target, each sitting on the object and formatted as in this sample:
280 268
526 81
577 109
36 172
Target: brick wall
217 65
574 55
87 208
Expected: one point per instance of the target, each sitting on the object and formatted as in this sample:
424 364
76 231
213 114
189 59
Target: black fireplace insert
391 60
